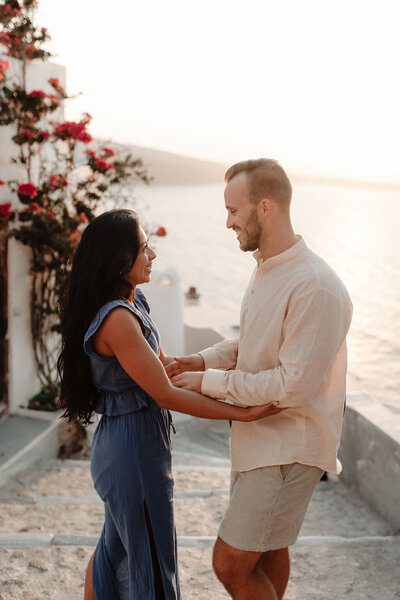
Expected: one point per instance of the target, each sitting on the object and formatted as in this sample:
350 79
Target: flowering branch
65 181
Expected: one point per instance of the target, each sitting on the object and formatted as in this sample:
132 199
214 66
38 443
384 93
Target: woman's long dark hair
106 252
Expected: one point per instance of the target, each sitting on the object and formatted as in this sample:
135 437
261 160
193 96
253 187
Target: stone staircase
50 520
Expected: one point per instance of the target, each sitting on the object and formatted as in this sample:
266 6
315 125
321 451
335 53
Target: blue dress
131 470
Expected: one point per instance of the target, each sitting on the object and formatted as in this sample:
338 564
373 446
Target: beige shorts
267 506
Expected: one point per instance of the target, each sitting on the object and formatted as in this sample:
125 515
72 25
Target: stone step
333 570
345 549
31 503
38 540
72 478
66 500
211 465
334 510
24 440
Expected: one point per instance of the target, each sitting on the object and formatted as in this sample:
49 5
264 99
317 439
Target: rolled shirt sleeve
314 329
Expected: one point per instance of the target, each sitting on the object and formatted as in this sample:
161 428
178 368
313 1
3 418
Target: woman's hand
253 413
189 381
192 362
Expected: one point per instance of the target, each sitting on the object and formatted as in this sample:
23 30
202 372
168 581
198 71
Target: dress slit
158 583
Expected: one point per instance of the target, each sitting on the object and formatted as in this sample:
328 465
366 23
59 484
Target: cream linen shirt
294 319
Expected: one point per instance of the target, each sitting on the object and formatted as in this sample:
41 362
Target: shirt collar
295 250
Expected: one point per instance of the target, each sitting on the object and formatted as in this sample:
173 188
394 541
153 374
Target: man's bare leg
276 565
89 593
240 573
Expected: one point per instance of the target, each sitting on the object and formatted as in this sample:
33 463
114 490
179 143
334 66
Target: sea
356 230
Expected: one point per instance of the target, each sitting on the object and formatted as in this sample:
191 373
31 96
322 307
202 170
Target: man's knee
221 564
228 566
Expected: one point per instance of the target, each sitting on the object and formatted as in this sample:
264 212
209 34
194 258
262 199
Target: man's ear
265 207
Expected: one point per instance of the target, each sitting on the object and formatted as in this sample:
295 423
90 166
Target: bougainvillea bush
64 183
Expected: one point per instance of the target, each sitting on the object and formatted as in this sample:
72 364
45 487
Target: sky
314 84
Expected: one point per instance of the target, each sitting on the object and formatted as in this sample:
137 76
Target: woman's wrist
239 414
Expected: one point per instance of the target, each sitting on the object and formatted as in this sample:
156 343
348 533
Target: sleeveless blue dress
131 470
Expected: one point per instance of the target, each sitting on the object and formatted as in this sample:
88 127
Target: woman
111 362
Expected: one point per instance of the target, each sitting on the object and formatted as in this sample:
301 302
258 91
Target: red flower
53 181
5 212
103 165
28 134
50 213
45 134
30 49
90 152
37 94
25 136
109 151
84 137
56 181
83 218
34 207
71 130
161 232
54 101
55 82
27 189
1 182
6 9
5 38
44 30
4 66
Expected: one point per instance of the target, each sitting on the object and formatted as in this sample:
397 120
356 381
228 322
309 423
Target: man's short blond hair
266 179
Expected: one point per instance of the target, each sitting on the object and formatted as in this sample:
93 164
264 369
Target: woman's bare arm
122 334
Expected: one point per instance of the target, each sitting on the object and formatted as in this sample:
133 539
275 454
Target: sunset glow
311 83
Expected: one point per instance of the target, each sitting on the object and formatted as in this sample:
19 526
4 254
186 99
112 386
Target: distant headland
167 168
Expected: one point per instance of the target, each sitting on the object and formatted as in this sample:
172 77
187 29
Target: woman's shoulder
102 313
139 308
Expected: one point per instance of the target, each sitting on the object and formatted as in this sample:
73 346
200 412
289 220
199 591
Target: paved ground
50 519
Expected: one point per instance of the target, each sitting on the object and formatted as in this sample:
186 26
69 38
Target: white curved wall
23 382
164 296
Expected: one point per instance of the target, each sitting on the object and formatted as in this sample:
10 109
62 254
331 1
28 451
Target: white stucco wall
164 296
23 382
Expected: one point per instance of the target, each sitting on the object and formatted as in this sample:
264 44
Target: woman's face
141 270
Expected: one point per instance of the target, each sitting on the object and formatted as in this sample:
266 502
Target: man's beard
252 234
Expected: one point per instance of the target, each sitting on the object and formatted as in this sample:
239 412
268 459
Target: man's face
242 213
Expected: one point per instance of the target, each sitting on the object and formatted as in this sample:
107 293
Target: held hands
189 380
188 372
192 362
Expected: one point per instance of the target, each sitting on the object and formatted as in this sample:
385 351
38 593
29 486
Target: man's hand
189 381
192 362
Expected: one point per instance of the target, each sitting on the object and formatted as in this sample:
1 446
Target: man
294 319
